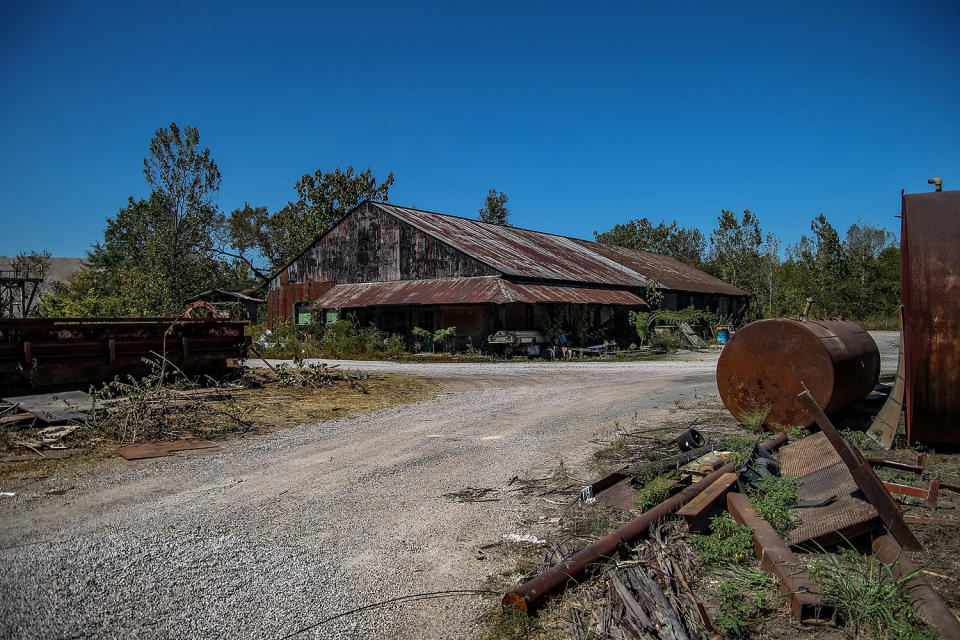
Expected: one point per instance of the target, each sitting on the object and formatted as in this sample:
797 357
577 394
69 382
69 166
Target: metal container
769 362
930 280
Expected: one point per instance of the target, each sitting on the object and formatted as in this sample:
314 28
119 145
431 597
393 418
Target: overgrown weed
775 500
728 542
656 490
756 420
745 594
867 596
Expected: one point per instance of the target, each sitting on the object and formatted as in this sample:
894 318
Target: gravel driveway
266 535
263 536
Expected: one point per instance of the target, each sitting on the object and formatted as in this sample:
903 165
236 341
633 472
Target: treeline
857 277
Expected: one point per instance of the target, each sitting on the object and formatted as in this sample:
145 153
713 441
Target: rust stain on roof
520 252
480 290
670 273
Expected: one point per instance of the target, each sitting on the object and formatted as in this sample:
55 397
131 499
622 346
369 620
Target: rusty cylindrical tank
768 362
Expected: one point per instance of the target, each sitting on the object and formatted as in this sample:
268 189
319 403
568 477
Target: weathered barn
400 268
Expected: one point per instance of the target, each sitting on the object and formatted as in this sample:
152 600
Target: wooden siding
280 303
372 246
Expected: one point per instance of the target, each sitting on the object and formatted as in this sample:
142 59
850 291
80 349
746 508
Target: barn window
331 315
301 313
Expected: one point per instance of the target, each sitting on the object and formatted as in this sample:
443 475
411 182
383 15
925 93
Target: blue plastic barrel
722 336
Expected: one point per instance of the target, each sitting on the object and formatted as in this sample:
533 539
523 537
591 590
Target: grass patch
775 500
507 623
275 406
868 597
737 443
591 525
656 490
745 595
856 437
756 420
728 542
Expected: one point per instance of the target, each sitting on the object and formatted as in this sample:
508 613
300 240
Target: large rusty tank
768 362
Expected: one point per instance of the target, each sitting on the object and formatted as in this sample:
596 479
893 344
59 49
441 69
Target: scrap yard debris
166 411
682 567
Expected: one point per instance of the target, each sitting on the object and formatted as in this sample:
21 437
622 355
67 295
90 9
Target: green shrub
421 338
665 341
756 420
644 322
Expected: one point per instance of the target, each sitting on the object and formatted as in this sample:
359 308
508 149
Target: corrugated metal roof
670 273
520 252
467 291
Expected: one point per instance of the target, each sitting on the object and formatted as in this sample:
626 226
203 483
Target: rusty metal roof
479 290
520 252
535 254
670 273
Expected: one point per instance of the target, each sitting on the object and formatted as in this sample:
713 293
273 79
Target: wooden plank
691 335
885 425
701 507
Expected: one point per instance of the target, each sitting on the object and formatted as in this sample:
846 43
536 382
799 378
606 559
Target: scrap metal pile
798 372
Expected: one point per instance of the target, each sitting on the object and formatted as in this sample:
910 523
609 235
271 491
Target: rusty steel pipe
768 362
923 597
531 595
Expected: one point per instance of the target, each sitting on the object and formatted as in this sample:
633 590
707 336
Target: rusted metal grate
821 474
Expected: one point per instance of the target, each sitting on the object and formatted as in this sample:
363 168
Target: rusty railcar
43 352
930 282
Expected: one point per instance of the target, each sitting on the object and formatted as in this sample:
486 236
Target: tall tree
822 267
158 251
495 210
867 287
736 252
681 243
324 198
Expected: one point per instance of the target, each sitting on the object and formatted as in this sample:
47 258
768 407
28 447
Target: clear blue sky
584 114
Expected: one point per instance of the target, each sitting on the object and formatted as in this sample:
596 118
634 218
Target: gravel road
265 535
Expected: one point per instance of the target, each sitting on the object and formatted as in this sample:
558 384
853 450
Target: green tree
159 251
821 267
737 253
681 243
867 285
324 199
495 210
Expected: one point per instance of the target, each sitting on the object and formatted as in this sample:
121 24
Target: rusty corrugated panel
930 280
520 252
768 362
670 273
456 291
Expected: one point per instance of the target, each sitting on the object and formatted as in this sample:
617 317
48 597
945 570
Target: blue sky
584 114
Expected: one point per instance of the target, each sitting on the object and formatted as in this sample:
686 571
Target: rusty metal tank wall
768 362
930 280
